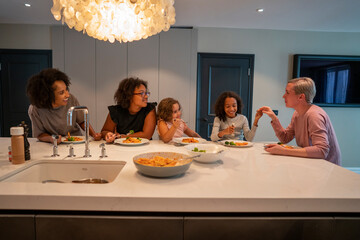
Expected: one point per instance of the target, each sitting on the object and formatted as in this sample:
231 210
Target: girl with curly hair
133 116
170 124
229 121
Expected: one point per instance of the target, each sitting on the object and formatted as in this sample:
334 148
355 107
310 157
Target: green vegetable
227 143
232 143
71 139
139 139
280 143
197 150
131 132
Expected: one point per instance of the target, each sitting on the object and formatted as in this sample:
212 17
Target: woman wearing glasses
132 114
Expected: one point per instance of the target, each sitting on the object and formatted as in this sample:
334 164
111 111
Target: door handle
204 119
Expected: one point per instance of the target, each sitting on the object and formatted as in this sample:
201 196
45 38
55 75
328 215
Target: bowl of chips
162 164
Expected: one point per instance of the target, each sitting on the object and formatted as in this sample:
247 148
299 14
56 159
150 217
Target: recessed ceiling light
260 10
27 5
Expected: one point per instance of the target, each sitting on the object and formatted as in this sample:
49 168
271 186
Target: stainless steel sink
66 171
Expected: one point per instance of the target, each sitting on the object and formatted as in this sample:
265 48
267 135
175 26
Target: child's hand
177 122
258 114
229 130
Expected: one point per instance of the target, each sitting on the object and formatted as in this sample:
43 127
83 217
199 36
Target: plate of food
189 140
236 143
73 139
162 164
131 141
283 145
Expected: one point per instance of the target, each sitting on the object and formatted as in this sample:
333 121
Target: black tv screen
337 78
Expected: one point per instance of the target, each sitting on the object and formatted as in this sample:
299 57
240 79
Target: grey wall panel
111 68
57 45
143 62
80 66
175 74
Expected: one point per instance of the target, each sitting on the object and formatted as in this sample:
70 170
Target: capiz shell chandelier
110 20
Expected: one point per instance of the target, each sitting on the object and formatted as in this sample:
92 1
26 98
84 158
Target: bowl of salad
209 153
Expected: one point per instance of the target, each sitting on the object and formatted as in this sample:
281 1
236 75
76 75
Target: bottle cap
16 131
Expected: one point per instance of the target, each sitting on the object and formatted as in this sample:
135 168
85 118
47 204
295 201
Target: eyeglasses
142 94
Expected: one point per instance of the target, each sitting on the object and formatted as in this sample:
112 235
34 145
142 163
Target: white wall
273 67
18 36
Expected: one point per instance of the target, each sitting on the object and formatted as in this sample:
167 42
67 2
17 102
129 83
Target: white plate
249 144
120 141
180 140
73 142
283 145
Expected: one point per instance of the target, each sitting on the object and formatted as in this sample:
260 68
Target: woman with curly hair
170 124
229 121
133 116
50 100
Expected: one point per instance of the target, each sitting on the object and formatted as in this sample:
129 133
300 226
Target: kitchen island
246 182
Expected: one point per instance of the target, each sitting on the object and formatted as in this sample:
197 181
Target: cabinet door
108 227
347 228
15 227
257 228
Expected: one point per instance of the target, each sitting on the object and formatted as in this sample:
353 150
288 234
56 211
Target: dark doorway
16 67
218 73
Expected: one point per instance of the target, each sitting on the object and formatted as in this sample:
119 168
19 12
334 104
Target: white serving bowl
152 171
210 155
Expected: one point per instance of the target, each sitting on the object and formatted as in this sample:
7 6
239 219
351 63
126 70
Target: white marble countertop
245 180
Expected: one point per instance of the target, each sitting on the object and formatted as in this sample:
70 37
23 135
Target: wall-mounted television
337 78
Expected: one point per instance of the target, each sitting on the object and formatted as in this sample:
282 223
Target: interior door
218 73
16 67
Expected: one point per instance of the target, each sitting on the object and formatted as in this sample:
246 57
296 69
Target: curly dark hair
220 102
165 109
39 87
126 90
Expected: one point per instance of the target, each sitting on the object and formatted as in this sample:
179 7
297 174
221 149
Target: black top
125 121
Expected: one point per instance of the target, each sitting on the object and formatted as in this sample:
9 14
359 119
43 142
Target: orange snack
132 140
190 140
157 161
241 143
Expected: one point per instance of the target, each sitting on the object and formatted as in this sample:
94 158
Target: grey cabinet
59 227
16 227
347 228
258 228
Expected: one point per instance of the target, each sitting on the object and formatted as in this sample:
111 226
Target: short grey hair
306 86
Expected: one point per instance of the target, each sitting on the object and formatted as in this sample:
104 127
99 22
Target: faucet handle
103 150
55 138
55 146
71 150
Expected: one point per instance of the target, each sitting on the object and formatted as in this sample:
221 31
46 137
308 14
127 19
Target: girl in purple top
310 125
170 124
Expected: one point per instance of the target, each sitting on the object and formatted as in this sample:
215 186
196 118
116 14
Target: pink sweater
314 132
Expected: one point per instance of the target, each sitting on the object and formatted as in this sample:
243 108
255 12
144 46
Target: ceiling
308 15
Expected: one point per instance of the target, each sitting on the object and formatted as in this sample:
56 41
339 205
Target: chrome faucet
86 119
